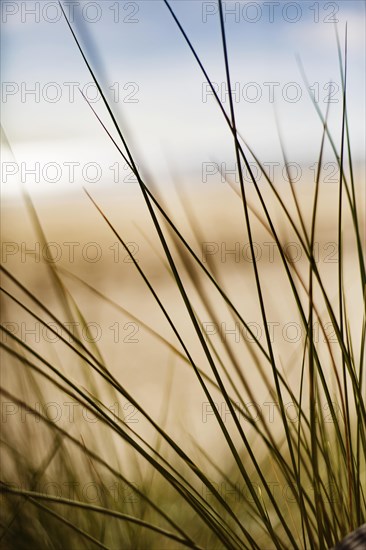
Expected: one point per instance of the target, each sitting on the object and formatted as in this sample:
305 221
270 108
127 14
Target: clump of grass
321 463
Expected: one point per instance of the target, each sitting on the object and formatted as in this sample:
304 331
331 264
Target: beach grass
316 464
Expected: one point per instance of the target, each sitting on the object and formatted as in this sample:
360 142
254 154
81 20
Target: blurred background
159 94
53 145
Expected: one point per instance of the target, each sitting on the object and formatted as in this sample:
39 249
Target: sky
157 91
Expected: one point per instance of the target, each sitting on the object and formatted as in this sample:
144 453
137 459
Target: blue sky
162 100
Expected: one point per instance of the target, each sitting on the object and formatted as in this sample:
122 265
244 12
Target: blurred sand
139 361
